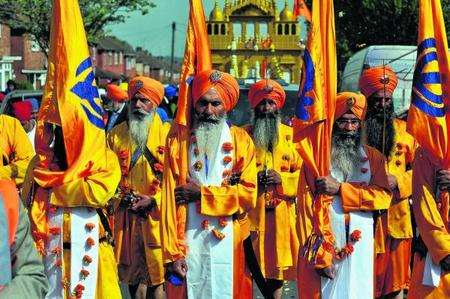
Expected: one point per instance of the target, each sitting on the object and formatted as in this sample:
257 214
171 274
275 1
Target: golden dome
286 15
216 14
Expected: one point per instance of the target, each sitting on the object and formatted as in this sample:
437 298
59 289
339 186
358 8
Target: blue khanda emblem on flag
427 89
304 100
87 91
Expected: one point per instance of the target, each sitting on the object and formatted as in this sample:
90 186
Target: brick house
33 65
6 58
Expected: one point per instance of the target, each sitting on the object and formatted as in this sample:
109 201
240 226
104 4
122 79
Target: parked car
17 96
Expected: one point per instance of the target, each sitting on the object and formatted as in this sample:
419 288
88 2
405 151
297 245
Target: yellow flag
315 111
197 58
429 118
71 101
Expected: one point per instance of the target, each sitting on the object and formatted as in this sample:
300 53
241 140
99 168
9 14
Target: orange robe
432 220
355 197
225 200
15 149
276 240
138 239
93 191
392 265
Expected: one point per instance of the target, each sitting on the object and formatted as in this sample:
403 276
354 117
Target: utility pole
173 51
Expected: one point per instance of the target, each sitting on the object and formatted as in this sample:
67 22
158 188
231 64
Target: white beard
208 138
139 128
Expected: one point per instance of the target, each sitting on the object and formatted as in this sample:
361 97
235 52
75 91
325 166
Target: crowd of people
210 209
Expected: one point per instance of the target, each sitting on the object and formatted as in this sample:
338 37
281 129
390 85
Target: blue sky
153 31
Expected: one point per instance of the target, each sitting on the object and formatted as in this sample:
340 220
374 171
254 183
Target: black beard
374 130
265 129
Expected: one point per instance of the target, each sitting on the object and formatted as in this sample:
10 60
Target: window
216 29
293 29
263 29
34 46
286 29
222 29
116 58
209 29
280 29
109 60
1 29
237 30
120 58
250 28
128 63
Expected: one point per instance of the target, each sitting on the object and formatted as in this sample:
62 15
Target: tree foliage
364 23
33 16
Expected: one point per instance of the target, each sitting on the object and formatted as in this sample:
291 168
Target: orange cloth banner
300 9
315 109
197 58
71 100
429 118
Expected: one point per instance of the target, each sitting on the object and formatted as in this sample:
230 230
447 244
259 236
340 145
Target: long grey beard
265 131
208 136
345 152
139 127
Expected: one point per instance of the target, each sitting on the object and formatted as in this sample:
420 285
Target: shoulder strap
150 159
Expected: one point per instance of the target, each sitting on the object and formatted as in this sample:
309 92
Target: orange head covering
22 110
377 78
350 101
223 83
148 87
115 93
266 89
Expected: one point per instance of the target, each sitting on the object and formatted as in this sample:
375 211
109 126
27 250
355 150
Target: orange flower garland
349 248
84 273
90 242
198 166
89 226
227 147
87 259
227 159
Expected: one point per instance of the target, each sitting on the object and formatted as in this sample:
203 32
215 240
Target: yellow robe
277 241
94 191
355 197
137 239
433 225
15 149
225 200
394 249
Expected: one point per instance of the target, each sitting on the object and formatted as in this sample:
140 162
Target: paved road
289 291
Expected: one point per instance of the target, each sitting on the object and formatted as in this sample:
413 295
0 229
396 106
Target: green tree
377 22
33 16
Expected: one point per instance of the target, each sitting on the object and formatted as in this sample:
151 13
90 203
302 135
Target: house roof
112 43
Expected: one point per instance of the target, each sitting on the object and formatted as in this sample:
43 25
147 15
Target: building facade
6 58
251 39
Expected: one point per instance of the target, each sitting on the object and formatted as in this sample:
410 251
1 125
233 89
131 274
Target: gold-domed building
251 37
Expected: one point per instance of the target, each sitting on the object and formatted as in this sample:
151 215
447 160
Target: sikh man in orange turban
139 144
430 202
388 135
358 186
278 163
119 110
204 221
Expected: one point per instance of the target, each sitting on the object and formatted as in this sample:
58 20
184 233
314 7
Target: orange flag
429 117
316 105
300 9
197 58
71 101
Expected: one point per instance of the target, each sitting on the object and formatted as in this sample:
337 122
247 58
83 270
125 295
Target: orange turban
350 101
115 93
148 87
266 89
223 83
22 110
377 78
